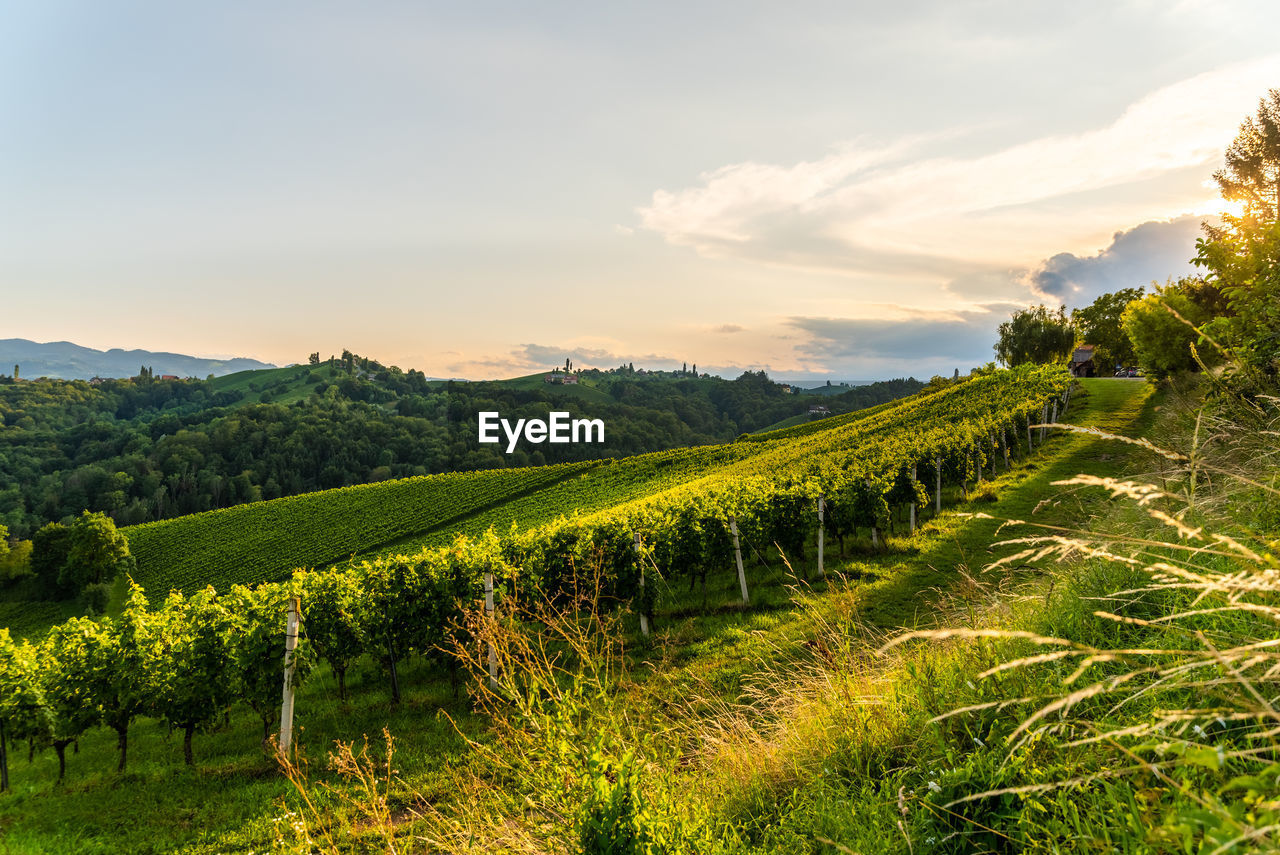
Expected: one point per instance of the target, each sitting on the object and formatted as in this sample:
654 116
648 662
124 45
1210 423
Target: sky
845 190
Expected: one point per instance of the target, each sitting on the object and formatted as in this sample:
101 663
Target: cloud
1155 250
727 328
888 209
916 338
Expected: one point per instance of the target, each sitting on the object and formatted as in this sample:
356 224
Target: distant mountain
68 361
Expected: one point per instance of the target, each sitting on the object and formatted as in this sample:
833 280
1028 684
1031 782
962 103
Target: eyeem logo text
557 428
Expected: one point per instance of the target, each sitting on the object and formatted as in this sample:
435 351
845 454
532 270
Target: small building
570 380
1081 364
96 381
819 410
169 377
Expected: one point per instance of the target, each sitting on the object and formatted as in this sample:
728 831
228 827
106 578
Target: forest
144 449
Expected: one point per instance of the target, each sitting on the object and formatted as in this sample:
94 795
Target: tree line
141 450
1224 317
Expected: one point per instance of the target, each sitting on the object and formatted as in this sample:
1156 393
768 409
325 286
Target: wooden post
1055 412
1004 446
822 534
286 703
644 617
937 489
1028 434
1044 417
914 472
4 759
992 438
737 554
875 530
977 462
488 610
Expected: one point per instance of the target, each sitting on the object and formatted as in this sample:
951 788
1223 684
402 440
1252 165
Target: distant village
143 374
568 375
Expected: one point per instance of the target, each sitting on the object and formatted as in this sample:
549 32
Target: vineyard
674 515
263 541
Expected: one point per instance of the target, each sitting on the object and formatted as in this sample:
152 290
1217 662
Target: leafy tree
1099 324
1252 171
1162 341
50 547
16 562
1035 335
1243 263
96 553
1242 256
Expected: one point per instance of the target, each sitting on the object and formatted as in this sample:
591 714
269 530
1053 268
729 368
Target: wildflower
934 788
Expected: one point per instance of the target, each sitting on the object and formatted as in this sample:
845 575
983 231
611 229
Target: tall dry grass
1200 688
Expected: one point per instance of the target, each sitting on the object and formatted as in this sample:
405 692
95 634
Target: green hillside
265 540
586 389
276 385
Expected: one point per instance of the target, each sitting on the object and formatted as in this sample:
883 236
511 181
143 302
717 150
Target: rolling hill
265 540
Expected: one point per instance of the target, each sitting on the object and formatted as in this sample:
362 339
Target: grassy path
714 643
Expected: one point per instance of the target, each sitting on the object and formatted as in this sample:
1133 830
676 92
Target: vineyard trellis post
1004 446
644 615
937 489
914 473
1055 411
488 611
1044 417
1028 434
822 533
286 702
991 437
737 554
875 529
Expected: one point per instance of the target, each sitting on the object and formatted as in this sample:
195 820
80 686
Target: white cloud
876 209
